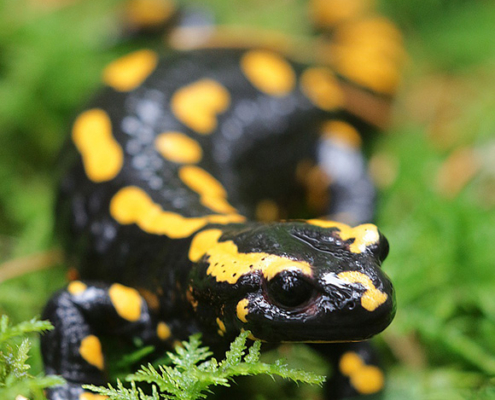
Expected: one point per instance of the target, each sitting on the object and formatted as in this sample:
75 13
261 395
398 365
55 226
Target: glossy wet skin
165 171
294 281
161 202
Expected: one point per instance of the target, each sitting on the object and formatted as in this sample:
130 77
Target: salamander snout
294 282
335 291
348 306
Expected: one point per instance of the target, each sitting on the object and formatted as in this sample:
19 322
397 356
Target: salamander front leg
81 314
351 191
355 370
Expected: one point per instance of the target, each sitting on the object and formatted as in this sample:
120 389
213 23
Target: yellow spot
221 331
76 287
126 300
90 351
202 242
366 379
198 104
267 211
211 192
364 235
268 72
101 154
221 325
148 13
242 310
375 34
322 88
350 363
179 148
191 299
372 298
369 52
228 265
92 396
163 331
128 72
133 205
330 12
367 70
343 132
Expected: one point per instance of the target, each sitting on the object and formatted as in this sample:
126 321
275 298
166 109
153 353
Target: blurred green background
434 166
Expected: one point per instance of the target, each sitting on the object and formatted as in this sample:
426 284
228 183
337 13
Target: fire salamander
183 179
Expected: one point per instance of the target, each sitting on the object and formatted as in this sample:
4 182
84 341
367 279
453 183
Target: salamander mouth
315 324
322 334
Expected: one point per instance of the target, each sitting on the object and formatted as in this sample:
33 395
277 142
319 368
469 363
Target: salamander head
314 281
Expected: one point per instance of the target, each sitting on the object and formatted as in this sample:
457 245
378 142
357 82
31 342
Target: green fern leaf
193 372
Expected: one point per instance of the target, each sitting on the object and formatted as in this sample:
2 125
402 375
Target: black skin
294 307
105 252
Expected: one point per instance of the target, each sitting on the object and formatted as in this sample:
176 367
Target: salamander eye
289 290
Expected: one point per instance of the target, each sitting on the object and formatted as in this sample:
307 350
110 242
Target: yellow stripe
226 264
372 298
133 205
212 193
364 235
202 242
